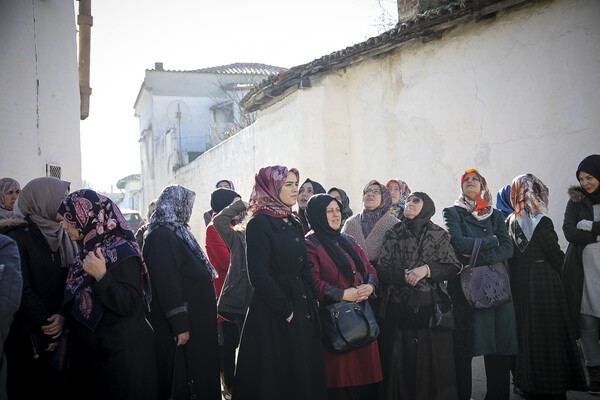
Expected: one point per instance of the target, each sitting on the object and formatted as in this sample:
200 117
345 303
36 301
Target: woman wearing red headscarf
280 353
490 332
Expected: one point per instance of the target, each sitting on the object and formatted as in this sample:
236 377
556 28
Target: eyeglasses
415 200
371 191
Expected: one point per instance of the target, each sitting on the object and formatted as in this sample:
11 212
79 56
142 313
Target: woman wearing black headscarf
341 271
416 343
306 191
581 271
341 196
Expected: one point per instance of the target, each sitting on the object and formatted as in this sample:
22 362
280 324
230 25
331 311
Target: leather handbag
348 325
486 286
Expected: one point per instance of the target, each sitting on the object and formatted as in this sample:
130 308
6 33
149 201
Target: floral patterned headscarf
529 198
481 205
101 225
173 210
264 198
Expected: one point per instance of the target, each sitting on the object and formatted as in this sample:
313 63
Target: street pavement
478 392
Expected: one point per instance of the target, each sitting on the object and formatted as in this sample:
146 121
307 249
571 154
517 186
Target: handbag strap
475 252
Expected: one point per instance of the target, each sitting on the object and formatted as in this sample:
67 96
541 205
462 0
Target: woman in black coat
107 293
581 271
280 353
184 307
540 305
46 252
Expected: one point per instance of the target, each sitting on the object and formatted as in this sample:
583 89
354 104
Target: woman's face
334 215
70 229
337 195
306 191
395 193
372 197
289 191
224 184
413 207
471 185
588 182
10 197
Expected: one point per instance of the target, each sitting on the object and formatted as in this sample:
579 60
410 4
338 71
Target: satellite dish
177 112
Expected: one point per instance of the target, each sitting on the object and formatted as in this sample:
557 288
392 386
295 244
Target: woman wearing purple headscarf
107 293
280 352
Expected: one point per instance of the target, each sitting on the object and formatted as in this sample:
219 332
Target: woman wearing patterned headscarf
184 309
416 350
400 192
108 293
539 300
581 270
342 271
280 351
46 252
491 332
9 191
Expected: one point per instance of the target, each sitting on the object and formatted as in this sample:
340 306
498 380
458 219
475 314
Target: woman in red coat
341 271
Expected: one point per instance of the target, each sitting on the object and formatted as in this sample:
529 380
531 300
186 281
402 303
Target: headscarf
503 201
416 224
591 165
481 205
316 213
173 211
39 200
225 180
221 198
101 225
346 210
368 218
264 198
6 184
529 198
317 189
404 191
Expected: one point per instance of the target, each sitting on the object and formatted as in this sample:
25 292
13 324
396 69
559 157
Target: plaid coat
548 360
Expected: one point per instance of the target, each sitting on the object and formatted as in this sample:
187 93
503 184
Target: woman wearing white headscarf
540 305
9 192
46 252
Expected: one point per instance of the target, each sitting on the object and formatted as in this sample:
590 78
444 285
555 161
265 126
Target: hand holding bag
486 286
348 325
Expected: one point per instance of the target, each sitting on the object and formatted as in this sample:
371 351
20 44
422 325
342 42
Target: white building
39 90
504 87
182 114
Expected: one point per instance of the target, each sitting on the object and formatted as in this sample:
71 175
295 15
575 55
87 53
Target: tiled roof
243 69
426 26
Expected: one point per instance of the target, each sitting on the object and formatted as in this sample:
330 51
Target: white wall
40 122
518 94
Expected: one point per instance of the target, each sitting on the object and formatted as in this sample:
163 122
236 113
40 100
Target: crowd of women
103 315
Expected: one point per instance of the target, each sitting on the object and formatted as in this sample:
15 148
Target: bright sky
129 36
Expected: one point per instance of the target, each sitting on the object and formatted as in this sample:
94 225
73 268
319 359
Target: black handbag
348 325
486 286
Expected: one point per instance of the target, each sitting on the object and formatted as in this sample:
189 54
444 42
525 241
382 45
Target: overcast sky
129 36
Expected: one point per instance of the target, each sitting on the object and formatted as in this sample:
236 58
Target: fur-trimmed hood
8 225
576 194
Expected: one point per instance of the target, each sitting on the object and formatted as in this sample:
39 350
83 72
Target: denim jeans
589 327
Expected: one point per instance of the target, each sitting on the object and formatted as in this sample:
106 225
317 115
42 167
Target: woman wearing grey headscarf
9 191
46 252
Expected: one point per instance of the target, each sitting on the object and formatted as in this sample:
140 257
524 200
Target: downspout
85 22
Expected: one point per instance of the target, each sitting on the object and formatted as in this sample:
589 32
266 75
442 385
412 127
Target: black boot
594 374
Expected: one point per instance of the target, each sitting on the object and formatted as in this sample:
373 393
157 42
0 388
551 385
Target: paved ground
479 385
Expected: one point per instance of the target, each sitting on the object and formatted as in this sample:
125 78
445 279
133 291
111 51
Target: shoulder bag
486 286
348 325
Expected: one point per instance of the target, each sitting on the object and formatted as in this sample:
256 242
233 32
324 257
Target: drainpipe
85 22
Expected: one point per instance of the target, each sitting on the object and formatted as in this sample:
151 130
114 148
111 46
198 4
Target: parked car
134 219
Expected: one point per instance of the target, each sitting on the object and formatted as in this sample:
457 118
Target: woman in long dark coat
184 307
341 271
280 353
107 292
540 304
491 333
416 350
